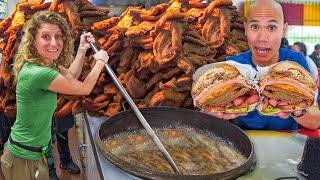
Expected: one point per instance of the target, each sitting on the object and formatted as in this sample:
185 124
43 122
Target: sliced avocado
238 110
270 109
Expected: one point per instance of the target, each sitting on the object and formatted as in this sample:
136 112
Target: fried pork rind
153 51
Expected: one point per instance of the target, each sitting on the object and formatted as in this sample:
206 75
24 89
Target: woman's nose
53 41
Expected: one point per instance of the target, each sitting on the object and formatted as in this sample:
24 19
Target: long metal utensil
143 121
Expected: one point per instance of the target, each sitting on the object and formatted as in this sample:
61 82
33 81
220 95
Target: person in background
284 43
63 144
315 56
301 47
264 29
60 131
2 131
42 69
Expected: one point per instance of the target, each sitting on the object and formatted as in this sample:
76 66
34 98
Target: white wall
11 4
237 2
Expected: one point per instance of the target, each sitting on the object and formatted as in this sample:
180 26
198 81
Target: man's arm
311 119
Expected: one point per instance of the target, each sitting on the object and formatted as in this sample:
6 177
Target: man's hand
298 113
283 115
286 115
226 116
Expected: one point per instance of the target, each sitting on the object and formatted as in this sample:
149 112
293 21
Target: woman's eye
46 36
254 27
58 37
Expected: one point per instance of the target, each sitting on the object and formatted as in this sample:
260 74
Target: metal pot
163 117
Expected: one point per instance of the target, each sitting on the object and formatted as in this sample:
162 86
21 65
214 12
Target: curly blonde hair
27 52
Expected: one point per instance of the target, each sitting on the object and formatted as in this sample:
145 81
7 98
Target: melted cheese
288 87
221 90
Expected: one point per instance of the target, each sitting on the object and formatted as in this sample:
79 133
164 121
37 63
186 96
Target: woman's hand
85 38
102 55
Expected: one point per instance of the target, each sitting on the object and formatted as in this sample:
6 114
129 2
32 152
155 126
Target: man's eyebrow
253 21
273 21
270 21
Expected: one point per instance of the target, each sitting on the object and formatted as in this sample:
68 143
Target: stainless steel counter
277 153
105 169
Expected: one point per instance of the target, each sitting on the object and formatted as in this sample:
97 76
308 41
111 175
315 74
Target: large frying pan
163 117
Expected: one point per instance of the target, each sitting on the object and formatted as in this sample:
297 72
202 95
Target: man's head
317 49
264 29
299 47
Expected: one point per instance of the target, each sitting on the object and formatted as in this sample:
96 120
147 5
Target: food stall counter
278 153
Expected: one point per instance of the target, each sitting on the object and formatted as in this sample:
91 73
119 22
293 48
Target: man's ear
284 30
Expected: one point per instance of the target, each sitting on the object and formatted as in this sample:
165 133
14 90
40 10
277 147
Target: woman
45 50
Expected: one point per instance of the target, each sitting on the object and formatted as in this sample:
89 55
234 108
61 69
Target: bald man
264 29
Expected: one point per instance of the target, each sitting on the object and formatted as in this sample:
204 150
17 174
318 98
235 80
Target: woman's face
49 42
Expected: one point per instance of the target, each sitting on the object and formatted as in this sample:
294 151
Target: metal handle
143 121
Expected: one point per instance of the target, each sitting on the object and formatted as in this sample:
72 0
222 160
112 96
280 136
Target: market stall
155 48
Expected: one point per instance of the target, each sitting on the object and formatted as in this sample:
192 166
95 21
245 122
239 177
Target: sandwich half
287 87
224 89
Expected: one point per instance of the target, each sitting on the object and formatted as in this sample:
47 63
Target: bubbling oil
195 152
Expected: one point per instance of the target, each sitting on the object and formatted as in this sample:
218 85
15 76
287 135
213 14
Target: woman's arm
67 84
77 64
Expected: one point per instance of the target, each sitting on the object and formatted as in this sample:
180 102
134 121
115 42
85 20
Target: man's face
295 48
317 52
264 30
